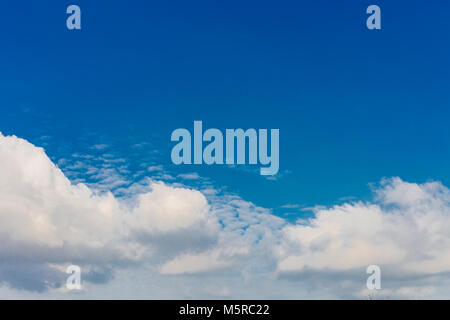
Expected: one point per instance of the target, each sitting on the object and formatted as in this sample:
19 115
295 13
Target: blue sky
353 105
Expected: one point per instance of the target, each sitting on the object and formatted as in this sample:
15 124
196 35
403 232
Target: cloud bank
182 236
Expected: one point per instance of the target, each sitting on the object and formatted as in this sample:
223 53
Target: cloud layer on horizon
48 222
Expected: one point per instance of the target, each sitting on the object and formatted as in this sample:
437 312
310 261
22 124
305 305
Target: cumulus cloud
406 231
179 235
44 219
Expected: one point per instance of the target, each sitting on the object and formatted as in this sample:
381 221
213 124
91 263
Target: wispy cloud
100 147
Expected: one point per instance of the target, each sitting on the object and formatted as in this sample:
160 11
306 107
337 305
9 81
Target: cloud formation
237 248
407 228
406 231
45 219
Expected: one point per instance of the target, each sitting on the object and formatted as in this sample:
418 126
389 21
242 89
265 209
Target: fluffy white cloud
45 219
406 231
167 209
39 206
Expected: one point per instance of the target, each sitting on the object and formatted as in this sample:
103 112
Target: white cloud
189 176
406 231
46 219
167 209
203 262
155 168
38 204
